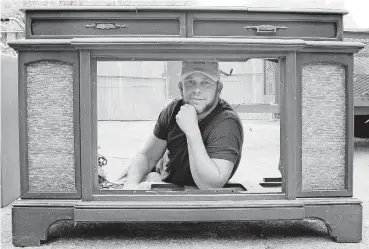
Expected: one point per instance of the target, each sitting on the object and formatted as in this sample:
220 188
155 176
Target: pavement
263 234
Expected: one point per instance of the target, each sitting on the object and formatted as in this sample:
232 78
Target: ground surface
263 235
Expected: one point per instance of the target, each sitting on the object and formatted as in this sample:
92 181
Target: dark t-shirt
221 131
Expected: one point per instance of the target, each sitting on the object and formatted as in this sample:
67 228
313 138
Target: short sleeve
160 129
162 124
225 140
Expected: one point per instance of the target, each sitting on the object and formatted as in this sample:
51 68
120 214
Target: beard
203 109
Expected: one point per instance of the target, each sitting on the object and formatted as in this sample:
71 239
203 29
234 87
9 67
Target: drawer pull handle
266 28
105 26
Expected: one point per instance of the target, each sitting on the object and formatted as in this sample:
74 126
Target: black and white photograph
184 124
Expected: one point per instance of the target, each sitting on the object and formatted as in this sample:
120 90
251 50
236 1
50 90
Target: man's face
200 91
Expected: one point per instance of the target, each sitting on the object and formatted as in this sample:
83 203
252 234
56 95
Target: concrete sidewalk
263 235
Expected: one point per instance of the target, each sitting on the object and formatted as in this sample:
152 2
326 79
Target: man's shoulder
170 109
225 118
228 112
173 104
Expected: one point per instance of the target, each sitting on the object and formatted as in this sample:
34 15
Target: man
202 134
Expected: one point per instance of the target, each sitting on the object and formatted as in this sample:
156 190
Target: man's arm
207 172
145 161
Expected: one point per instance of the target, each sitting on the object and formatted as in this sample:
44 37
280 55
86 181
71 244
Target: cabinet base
32 218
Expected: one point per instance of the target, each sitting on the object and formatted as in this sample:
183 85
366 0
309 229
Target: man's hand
187 118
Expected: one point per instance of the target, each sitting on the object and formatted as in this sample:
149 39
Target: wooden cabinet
58 117
62 24
200 22
268 25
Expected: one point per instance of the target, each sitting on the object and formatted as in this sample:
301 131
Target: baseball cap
208 68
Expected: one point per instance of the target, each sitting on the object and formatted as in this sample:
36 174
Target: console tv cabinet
57 110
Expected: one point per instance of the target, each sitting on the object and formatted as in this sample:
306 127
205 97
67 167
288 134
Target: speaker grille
323 127
50 127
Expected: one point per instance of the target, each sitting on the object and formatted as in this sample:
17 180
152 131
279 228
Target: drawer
69 25
265 25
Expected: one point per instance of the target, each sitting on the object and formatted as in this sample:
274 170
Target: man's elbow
212 183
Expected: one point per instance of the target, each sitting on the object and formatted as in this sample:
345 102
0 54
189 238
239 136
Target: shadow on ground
193 231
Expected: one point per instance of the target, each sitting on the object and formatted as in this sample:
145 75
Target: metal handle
109 25
266 28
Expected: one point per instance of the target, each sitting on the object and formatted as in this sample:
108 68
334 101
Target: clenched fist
187 118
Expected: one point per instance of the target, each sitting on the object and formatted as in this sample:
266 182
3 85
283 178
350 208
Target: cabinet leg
344 222
31 224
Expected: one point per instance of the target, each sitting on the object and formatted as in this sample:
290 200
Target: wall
139 90
130 90
10 175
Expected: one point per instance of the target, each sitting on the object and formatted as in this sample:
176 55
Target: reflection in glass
131 96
